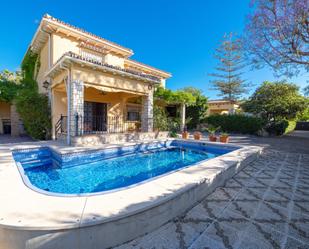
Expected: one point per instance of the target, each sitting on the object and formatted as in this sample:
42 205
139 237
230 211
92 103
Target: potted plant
185 134
197 135
224 137
212 133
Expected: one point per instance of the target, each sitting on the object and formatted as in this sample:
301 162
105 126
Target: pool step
33 158
36 163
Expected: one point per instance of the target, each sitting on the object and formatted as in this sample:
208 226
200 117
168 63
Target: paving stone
234 220
218 235
266 205
279 194
232 183
299 227
253 194
267 237
213 208
252 243
294 244
245 208
272 216
207 243
301 206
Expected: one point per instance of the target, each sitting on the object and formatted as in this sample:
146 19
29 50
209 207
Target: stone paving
266 205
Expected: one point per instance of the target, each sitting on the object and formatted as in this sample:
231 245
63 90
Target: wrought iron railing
97 125
61 126
116 124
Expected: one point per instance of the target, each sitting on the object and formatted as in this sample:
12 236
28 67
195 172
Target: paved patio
7 139
266 205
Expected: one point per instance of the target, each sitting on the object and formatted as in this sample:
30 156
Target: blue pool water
97 172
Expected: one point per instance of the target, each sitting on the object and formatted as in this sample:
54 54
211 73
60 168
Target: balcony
96 61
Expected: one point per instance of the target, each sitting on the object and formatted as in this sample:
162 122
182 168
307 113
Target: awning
111 89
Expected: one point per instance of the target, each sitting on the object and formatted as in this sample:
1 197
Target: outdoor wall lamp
46 84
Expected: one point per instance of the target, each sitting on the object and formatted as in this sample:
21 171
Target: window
133 113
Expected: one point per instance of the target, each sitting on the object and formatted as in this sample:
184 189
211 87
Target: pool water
111 173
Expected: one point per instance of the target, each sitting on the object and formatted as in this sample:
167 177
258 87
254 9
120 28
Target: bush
236 123
160 121
304 116
34 111
280 127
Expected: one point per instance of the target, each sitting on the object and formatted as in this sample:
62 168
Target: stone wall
147 112
99 139
15 122
77 108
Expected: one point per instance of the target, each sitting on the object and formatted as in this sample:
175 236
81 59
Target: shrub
291 126
304 116
32 106
280 127
34 111
236 123
160 121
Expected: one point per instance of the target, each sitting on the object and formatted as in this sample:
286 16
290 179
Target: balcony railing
101 124
93 60
97 125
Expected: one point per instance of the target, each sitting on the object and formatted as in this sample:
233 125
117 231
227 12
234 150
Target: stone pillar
15 123
147 112
77 108
182 117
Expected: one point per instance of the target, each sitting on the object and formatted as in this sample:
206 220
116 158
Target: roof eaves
74 57
49 18
166 74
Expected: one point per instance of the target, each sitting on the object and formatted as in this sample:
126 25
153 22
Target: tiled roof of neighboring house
47 16
221 101
108 66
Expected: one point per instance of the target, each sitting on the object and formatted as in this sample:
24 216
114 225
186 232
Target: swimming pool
110 169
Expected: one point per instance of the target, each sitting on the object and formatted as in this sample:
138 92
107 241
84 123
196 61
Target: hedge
236 123
281 127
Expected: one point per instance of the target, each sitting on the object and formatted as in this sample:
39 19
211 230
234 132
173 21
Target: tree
173 97
306 90
230 58
277 35
33 106
275 101
197 111
9 85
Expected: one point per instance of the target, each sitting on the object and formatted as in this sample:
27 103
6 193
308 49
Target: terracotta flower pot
197 135
212 138
185 135
224 139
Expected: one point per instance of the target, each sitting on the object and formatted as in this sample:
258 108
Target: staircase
61 127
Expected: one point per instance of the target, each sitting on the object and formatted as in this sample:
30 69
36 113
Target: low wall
302 126
112 138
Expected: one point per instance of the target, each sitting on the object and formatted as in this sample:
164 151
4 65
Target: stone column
77 108
147 112
14 121
182 117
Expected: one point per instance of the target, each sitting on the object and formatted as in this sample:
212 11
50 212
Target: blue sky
176 36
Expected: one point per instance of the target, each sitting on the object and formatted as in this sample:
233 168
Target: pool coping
83 211
29 184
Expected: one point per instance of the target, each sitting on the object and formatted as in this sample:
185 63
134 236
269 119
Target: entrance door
6 126
95 117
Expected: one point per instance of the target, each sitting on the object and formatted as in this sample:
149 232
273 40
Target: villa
221 106
93 85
